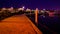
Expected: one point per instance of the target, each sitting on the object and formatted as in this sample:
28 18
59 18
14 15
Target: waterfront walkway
18 24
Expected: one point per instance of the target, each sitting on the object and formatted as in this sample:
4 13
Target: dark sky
41 4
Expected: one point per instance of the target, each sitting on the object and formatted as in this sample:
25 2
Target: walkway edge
35 28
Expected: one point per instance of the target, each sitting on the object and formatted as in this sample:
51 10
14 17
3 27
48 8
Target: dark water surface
48 25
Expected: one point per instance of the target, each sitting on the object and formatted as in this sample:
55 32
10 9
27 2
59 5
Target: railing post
36 16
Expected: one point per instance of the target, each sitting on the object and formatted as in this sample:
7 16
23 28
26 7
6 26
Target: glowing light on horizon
44 9
23 7
3 8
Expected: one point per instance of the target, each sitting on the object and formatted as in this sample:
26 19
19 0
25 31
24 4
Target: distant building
3 9
28 9
42 11
51 13
10 9
32 10
20 9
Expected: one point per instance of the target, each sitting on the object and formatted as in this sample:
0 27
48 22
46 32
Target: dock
18 24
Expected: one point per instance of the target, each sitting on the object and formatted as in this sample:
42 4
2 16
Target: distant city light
11 8
44 9
3 8
23 7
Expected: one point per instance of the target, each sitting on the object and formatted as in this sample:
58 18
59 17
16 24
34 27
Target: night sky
32 4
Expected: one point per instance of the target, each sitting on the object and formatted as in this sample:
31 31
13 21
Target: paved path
18 24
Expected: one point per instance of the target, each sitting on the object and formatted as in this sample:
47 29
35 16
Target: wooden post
36 16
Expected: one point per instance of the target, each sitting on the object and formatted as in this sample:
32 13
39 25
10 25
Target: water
48 25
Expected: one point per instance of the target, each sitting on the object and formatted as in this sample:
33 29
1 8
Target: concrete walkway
18 24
